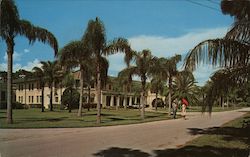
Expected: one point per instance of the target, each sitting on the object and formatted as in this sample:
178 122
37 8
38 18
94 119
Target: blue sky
165 27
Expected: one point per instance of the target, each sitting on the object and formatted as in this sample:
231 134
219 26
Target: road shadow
121 152
187 151
239 133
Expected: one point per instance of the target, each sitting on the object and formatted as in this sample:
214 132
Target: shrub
68 100
244 104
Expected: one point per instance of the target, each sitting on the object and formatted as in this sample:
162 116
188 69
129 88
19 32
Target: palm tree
157 85
68 83
231 52
76 54
51 72
184 87
143 62
40 74
11 26
125 79
95 39
168 69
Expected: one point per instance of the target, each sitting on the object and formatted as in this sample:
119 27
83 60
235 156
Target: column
118 101
111 100
130 101
124 101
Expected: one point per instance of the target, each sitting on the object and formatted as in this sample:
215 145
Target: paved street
85 142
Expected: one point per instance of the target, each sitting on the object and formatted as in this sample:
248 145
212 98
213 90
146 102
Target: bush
15 105
244 104
35 105
68 100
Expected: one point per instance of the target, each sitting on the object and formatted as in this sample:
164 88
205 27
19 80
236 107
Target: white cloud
16 56
16 67
169 46
26 50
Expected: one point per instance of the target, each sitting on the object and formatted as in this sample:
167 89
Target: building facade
29 92
3 92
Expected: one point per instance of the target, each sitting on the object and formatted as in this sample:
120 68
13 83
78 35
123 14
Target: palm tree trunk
169 95
143 100
10 44
98 120
81 93
42 99
51 98
156 99
88 99
70 105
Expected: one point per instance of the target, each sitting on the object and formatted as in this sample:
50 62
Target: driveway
140 139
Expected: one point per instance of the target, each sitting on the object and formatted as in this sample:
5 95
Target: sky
166 27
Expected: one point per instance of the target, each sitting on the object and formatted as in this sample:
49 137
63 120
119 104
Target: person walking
184 106
175 107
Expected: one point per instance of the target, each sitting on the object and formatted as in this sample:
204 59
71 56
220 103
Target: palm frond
222 52
34 33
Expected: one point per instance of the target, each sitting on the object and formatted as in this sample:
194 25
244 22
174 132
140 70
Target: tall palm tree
76 54
231 52
11 26
143 62
40 74
51 72
95 39
168 69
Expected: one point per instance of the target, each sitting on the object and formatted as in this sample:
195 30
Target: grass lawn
34 118
230 140
199 109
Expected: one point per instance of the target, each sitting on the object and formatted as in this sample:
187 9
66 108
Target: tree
76 54
143 62
157 85
68 83
231 52
51 72
167 68
184 87
40 74
95 39
11 26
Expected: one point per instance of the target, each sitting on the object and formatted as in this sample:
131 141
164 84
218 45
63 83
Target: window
21 99
32 99
3 95
41 98
92 85
29 86
77 83
29 99
56 99
37 99
32 86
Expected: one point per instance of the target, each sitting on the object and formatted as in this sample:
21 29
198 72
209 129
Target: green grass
34 118
199 109
230 140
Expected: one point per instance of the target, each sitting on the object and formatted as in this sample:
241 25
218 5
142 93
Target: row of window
31 99
30 86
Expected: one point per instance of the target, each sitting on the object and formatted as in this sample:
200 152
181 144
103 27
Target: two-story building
28 91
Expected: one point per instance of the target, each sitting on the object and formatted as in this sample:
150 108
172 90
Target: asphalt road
129 140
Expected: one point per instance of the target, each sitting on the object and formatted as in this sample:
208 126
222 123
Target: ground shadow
187 151
204 151
121 152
